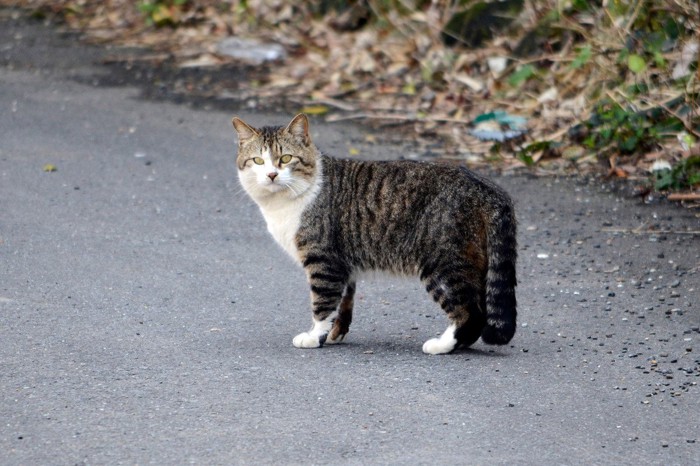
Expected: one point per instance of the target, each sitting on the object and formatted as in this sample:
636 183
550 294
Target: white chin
273 187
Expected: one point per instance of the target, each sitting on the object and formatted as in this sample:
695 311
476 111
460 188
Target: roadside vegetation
604 86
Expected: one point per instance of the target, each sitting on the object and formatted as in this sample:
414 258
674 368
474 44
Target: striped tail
500 278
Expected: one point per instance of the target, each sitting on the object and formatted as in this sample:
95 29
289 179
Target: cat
338 218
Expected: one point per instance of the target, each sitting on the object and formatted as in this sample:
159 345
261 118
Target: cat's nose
272 175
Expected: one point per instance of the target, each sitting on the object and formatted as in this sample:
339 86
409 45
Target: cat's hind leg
446 343
464 329
462 302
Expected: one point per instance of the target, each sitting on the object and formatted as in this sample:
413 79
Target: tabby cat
339 218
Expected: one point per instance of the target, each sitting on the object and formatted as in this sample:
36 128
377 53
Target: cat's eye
286 158
258 161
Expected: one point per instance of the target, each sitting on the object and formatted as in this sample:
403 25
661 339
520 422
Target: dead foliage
578 85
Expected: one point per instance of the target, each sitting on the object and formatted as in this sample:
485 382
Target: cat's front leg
344 318
317 336
327 287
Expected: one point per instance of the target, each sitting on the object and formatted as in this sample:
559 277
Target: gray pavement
147 317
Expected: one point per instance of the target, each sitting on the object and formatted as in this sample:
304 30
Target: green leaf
659 60
584 54
526 159
521 75
664 180
636 64
683 175
629 144
526 154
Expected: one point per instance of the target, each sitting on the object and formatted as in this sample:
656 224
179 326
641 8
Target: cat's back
408 183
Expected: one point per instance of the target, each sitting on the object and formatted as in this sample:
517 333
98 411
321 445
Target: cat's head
276 160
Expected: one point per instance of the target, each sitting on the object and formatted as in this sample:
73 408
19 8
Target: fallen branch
394 116
683 197
344 106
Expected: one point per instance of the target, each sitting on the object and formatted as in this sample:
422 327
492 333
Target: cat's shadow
412 347
481 352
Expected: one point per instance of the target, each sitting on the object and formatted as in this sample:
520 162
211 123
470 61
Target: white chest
283 223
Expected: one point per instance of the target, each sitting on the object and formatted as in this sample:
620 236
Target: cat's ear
244 130
299 128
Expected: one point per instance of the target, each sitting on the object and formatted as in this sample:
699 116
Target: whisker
298 187
293 188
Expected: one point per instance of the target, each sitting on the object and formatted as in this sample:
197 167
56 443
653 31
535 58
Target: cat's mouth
273 186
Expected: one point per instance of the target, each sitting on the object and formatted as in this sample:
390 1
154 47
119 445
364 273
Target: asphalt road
147 317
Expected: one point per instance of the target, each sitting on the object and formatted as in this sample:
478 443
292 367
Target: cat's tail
500 277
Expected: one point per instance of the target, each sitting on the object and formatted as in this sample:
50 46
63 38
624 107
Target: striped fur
443 223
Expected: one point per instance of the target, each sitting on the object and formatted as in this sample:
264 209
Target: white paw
437 346
445 344
306 340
